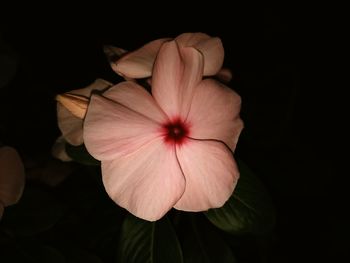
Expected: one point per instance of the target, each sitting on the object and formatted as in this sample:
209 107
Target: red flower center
175 131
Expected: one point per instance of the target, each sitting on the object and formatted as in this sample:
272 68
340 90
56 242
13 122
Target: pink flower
139 63
169 149
12 177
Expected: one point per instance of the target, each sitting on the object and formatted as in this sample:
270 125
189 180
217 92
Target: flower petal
12 176
211 48
211 175
139 63
113 53
71 126
214 113
176 74
213 52
148 182
191 39
112 129
135 97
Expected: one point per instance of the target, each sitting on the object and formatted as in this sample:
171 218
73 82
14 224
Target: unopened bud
77 105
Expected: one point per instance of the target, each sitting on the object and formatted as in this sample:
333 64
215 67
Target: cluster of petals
139 63
172 147
131 65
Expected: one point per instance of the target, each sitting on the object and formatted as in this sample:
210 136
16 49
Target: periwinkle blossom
12 177
139 63
130 65
171 148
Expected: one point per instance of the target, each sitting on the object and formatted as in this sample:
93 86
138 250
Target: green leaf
249 210
80 154
37 211
148 242
203 244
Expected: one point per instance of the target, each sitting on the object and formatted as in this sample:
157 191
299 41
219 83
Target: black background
275 54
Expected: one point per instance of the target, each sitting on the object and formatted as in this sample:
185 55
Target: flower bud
76 104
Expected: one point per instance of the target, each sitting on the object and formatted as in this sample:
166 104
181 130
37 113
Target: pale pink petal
114 54
70 126
147 182
175 75
167 74
224 75
191 39
136 98
211 175
214 113
213 53
139 63
192 76
211 48
12 176
112 129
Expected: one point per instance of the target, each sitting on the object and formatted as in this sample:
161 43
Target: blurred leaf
203 244
37 211
249 209
29 252
80 154
148 242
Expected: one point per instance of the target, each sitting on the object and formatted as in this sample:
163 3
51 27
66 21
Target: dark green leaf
37 211
148 242
249 209
203 244
81 155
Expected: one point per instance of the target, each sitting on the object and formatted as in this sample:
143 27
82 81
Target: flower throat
175 132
